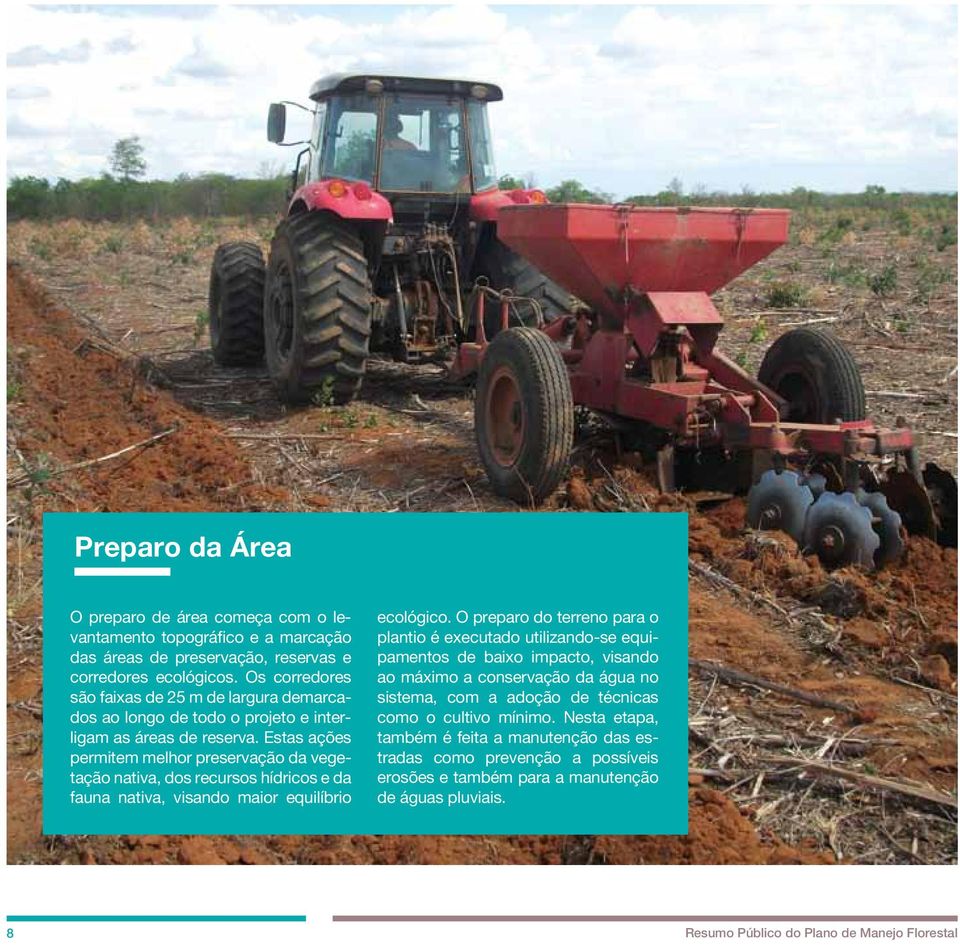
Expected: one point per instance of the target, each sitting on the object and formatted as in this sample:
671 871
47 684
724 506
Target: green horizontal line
144 918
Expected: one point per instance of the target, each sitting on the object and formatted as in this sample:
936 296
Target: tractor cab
427 138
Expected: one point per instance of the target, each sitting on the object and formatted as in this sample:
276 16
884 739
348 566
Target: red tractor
398 239
392 219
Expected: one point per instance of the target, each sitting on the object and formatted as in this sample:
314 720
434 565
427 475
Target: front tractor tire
235 305
317 310
524 415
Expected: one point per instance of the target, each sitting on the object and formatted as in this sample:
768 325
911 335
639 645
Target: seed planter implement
642 351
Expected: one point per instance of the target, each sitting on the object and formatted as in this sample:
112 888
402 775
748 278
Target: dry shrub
243 233
182 233
20 234
232 229
75 239
819 296
140 237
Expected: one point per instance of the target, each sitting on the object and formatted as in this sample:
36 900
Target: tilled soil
872 657
78 398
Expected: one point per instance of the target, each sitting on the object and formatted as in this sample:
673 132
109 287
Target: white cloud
201 64
27 92
121 44
621 98
37 55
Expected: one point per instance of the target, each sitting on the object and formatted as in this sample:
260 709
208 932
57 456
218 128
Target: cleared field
845 748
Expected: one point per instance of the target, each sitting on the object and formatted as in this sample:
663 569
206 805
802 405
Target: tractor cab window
350 138
484 172
424 148
316 139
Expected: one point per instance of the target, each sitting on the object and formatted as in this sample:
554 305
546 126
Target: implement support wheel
523 415
816 375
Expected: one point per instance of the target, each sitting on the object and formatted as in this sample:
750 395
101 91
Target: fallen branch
741 676
829 318
103 345
232 486
343 435
84 464
717 774
919 686
871 781
905 851
169 328
624 499
794 310
712 574
163 352
902 394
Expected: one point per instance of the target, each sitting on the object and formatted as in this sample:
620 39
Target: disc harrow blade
908 497
779 501
817 483
942 490
888 525
840 531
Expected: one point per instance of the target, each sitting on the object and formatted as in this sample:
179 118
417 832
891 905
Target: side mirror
276 122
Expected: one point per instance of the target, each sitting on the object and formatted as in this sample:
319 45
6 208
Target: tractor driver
391 135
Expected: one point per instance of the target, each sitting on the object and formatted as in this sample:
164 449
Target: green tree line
120 196
799 198
111 198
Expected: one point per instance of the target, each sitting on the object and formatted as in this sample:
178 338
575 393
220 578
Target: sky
621 98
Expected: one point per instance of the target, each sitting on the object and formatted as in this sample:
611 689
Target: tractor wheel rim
505 418
281 311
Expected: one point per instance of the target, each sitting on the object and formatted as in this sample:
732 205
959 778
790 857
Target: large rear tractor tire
317 310
816 375
235 304
508 270
523 415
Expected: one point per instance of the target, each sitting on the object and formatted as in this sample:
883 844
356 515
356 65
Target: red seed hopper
603 254
641 350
